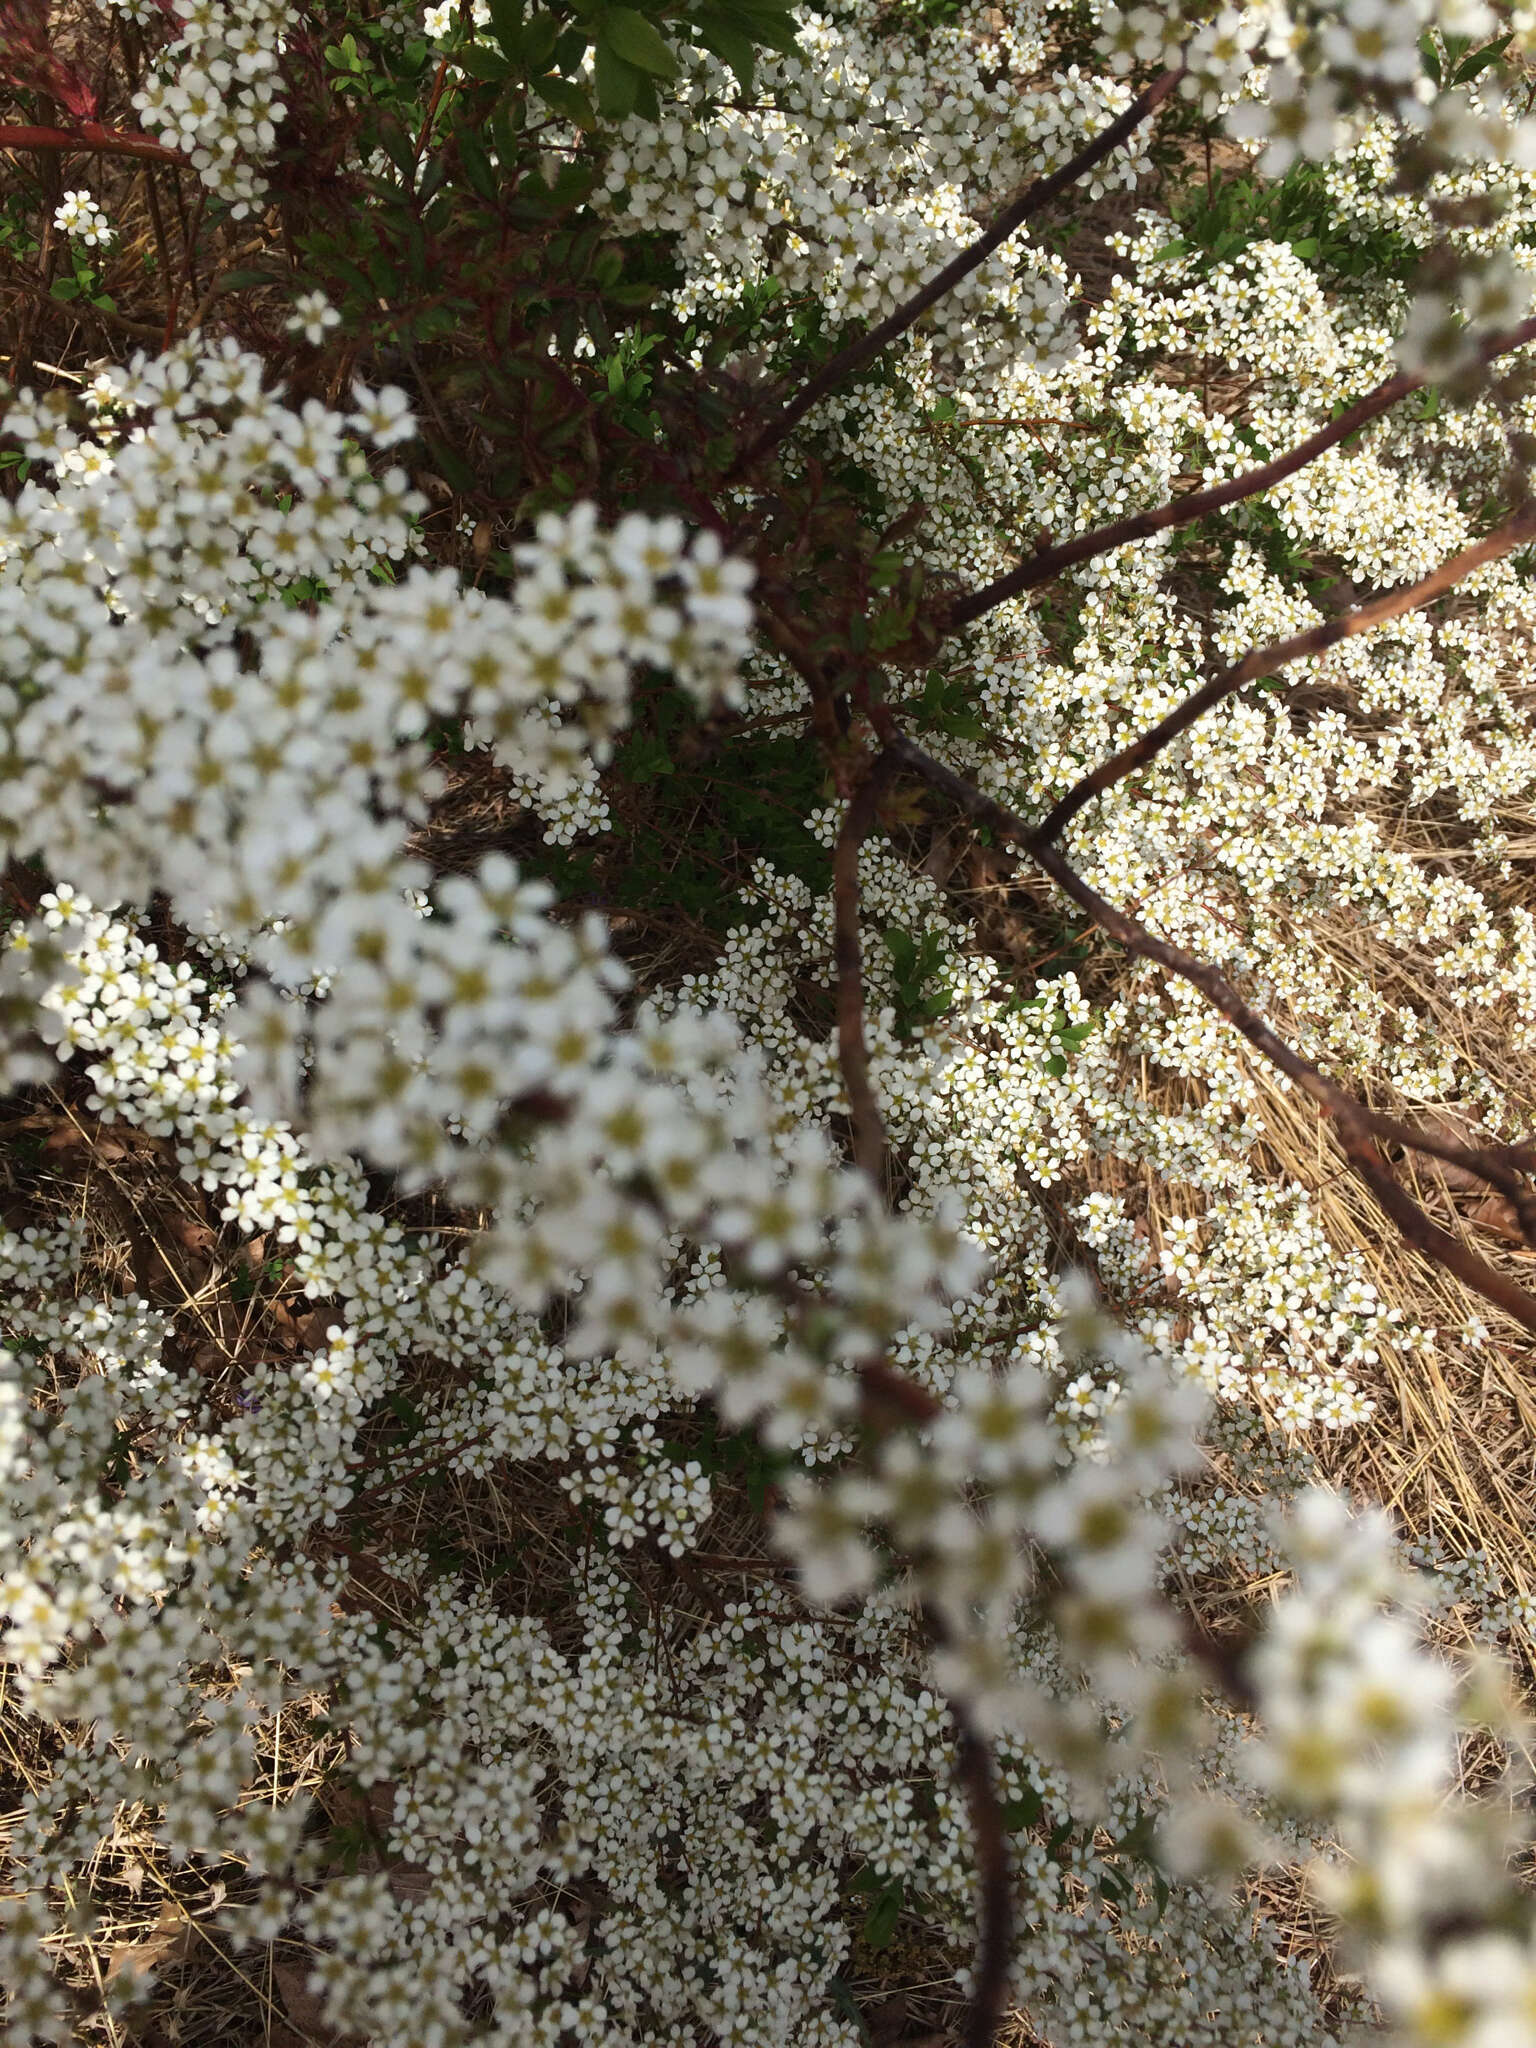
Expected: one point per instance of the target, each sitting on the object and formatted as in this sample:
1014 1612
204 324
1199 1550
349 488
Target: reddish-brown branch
989 1838
886 1388
1264 661
1051 562
1501 1166
1032 201
852 1050
429 116
90 137
1356 1125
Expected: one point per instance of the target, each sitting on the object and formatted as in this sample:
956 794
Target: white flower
312 316
80 217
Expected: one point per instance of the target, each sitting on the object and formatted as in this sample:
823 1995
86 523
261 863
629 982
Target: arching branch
1357 1126
1051 562
989 1838
1032 201
1265 661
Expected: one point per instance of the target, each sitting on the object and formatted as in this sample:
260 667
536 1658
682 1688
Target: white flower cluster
1005 1098
858 170
441 21
432 1027
1307 79
216 93
1364 1722
709 1782
81 218
124 592
220 682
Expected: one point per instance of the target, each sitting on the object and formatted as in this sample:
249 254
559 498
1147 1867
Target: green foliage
81 282
922 995
693 808
946 706
916 18
1023 1812
1067 1037
247 1280
1220 221
470 270
1452 60
880 1921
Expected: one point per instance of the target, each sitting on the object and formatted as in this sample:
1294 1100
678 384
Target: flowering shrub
695 757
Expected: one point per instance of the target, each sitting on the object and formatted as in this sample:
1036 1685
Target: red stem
90 137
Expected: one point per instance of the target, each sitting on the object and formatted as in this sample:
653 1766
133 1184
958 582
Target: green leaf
618 83
638 41
1431 56
568 52
476 162
243 280
1306 249
880 1921
1140 1839
487 65
1479 60
341 267
728 41
573 184
65 288
768 24
452 468
567 100
1024 1811
397 145
507 123
507 27
539 36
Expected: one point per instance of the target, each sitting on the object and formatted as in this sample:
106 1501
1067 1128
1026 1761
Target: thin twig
1031 201
428 118
1501 1166
82 309
852 1050
976 1776
1051 562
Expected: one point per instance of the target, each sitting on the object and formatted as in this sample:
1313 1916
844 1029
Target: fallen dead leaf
168 1941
